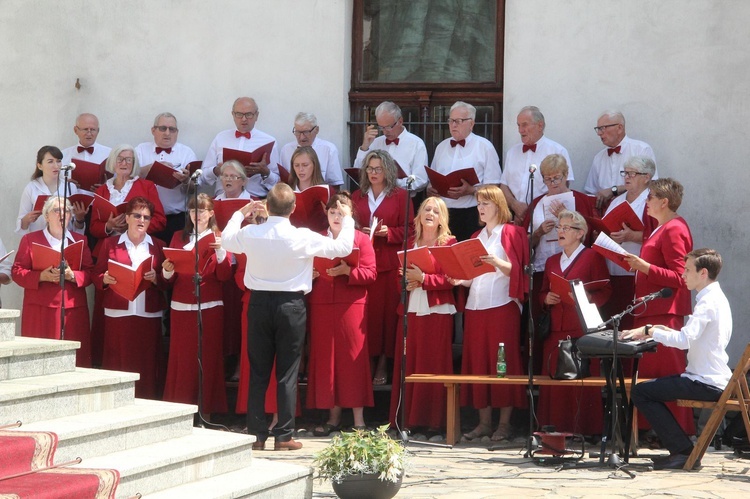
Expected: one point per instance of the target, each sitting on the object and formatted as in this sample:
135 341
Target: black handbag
543 325
570 365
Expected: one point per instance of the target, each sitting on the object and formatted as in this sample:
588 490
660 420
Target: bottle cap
501 344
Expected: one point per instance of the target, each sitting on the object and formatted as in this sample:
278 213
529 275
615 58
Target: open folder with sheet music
598 339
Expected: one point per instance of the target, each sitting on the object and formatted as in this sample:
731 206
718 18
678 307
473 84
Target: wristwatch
614 190
646 330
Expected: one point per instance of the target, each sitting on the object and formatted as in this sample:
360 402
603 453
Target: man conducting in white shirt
705 336
279 274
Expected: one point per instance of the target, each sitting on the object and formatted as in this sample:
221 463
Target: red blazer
212 276
391 214
48 294
141 187
584 205
665 250
588 266
351 289
112 250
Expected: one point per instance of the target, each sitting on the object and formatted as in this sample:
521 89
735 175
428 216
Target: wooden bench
735 397
452 383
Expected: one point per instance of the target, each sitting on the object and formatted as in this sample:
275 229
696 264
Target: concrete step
263 479
8 323
158 466
54 396
26 357
102 432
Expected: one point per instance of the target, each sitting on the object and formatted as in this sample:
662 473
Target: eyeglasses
139 216
553 180
231 177
88 130
388 128
377 169
129 161
600 129
304 133
567 228
162 128
248 116
458 121
631 174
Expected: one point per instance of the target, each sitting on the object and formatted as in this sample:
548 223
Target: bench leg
453 420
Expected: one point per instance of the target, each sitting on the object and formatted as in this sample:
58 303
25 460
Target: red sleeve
396 232
158 218
102 260
527 218
83 276
516 246
21 270
366 272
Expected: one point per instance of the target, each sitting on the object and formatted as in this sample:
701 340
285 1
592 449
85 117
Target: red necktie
613 150
239 134
461 143
160 150
89 150
531 148
389 142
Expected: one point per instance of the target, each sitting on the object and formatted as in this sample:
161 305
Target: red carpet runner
26 453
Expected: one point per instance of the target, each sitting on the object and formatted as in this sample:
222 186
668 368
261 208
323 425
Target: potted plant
363 464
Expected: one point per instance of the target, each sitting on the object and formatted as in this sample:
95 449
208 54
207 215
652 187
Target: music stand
592 323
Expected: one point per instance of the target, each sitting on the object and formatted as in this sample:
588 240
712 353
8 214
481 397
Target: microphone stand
530 320
401 413
63 264
197 291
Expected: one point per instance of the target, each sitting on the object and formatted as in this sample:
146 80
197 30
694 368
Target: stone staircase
153 444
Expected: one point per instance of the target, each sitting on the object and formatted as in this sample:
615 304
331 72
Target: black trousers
650 397
275 330
463 222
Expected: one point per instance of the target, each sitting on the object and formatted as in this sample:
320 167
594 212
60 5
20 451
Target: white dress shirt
101 153
328 156
173 200
566 260
137 255
517 163
705 337
37 188
410 153
605 169
633 248
255 185
279 255
491 290
478 153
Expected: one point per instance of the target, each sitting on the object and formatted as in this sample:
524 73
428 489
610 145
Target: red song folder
308 203
105 208
419 257
43 257
88 174
323 264
225 208
561 286
81 197
462 260
163 175
612 221
605 246
184 260
130 282
442 183
246 157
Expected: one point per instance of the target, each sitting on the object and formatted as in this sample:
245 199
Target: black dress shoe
674 462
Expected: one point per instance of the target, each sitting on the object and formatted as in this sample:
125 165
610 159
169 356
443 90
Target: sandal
503 432
478 432
363 428
325 430
379 381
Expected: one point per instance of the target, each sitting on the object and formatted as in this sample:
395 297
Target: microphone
68 168
196 174
532 168
410 180
662 293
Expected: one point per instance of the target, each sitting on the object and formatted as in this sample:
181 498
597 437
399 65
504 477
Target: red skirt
133 344
666 361
44 322
232 298
569 409
429 350
483 330
182 369
383 297
339 366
